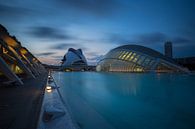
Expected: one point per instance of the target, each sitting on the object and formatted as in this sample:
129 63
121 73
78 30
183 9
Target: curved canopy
137 58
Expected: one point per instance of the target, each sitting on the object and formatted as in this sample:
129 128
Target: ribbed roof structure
136 58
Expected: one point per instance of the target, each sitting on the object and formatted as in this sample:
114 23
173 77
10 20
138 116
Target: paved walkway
20 105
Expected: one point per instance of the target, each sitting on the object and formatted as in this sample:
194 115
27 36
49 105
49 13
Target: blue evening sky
49 27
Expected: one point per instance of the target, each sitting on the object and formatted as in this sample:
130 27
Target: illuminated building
16 60
135 58
74 60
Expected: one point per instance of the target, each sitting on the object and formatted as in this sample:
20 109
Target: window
128 56
136 58
141 59
117 54
123 57
146 62
132 56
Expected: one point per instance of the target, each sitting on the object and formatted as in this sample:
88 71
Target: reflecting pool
129 100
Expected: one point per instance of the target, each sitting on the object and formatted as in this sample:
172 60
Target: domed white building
74 60
136 58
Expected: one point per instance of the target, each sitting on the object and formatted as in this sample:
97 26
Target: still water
129 100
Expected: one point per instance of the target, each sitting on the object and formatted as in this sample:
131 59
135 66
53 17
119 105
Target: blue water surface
129 100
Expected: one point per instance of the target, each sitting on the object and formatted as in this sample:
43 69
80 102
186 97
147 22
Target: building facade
74 60
16 61
168 49
135 58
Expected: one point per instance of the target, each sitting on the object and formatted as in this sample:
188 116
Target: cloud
57 57
44 32
188 30
147 38
98 7
10 11
45 54
63 46
150 38
184 51
118 38
181 40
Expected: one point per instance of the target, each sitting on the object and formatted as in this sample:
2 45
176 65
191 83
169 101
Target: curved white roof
144 50
137 58
74 57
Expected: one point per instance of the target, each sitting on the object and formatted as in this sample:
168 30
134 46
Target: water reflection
129 100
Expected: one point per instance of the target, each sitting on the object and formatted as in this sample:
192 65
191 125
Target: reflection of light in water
49 91
129 90
158 75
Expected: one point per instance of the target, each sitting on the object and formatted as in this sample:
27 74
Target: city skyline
49 28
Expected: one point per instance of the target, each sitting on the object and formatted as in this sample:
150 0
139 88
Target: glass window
141 59
146 61
132 56
136 58
128 55
108 55
120 54
117 54
114 53
123 57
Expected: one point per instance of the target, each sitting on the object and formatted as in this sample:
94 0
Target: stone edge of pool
53 105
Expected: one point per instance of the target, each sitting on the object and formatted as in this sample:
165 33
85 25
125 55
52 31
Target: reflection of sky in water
130 100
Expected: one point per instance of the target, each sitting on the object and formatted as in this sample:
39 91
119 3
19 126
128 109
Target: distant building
188 62
74 60
136 58
168 49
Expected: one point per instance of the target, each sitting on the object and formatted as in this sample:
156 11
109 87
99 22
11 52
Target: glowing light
23 51
18 70
49 91
67 70
11 42
48 88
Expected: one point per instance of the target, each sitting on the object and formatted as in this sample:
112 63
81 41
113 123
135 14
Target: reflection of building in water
135 58
129 90
16 60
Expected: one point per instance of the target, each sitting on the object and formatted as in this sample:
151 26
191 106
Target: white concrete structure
136 58
74 58
16 60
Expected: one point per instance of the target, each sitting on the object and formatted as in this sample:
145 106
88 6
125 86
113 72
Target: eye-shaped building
136 58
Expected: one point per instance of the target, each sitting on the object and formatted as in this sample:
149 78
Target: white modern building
136 58
74 60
